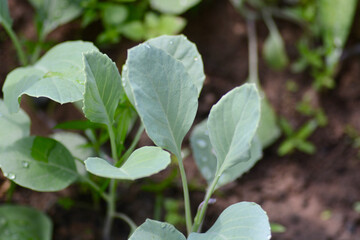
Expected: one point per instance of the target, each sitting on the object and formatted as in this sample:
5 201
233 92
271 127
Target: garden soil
313 196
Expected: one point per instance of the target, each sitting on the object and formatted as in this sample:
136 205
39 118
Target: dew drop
123 82
125 68
171 42
213 151
206 172
11 176
6 174
269 237
147 45
204 159
163 225
25 164
196 58
201 143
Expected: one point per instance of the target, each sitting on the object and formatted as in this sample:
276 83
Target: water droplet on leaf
201 143
207 173
11 176
204 159
147 45
171 42
25 164
163 225
196 58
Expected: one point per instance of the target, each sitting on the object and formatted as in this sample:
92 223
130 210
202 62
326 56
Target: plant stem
96 188
253 53
132 146
128 220
202 210
15 40
186 193
111 203
37 50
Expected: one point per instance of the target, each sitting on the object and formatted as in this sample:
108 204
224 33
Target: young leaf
58 75
173 6
206 160
53 13
39 163
12 126
102 88
143 162
5 13
274 51
244 220
164 93
268 130
232 125
186 52
17 222
156 230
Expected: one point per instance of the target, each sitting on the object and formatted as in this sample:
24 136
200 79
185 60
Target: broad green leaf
274 51
206 160
76 144
244 220
173 6
18 222
143 162
5 17
58 75
335 19
156 230
157 25
164 93
12 126
54 13
186 52
268 130
232 125
39 163
113 14
102 88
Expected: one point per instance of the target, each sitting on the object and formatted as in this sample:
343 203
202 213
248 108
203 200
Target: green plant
49 14
162 78
136 20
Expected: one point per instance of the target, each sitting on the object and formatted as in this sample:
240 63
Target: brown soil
294 190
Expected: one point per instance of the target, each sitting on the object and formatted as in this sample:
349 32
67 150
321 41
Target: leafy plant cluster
161 82
326 26
135 20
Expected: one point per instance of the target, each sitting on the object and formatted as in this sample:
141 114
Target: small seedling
162 79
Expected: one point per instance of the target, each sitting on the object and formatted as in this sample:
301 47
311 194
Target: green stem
186 193
202 210
111 203
128 220
37 50
96 188
15 40
253 53
132 146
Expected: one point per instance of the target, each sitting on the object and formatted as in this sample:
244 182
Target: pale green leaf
54 13
157 25
268 130
173 6
58 75
5 17
206 160
12 126
18 222
156 230
274 51
232 125
335 19
143 162
244 220
39 163
75 143
186 52
164 93
102 88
